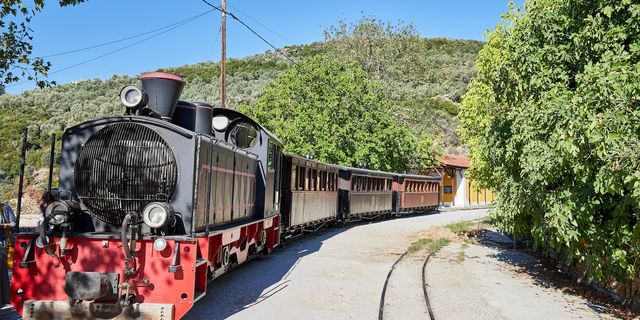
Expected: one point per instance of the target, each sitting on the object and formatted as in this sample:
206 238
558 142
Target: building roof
451 160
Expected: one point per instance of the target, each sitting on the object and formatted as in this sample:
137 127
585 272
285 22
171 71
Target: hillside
425 86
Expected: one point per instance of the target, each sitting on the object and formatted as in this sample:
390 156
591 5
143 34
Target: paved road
338 274
499 283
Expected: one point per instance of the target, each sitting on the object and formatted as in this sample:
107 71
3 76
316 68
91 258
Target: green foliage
553 122
425 99
459 227
430 245
424 78
332 111
16 61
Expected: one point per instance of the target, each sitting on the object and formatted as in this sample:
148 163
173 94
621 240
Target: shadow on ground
548 273
257 281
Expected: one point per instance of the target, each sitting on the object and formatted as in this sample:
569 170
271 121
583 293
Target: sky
58 30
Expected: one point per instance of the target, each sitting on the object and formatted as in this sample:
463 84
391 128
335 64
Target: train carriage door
277 159
272 195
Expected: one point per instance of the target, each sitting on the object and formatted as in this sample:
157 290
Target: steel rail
386 283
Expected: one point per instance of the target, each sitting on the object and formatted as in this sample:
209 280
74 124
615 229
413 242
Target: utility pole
223 60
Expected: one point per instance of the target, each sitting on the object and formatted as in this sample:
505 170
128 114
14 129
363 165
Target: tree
384 50
331 110
16 60
553 122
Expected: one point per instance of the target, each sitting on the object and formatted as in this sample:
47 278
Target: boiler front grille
122 168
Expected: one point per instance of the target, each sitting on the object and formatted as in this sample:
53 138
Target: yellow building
458 190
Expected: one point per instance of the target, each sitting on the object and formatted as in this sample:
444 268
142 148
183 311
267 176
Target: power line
175 26
250 29
260 24
127 38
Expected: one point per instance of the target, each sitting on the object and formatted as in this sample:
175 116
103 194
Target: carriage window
324 181
334 181
301 174
312 180
294 178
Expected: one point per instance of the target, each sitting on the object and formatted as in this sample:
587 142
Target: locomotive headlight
133 97
220 123
159 244
57 212
157 214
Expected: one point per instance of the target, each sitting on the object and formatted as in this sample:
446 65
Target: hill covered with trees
421 80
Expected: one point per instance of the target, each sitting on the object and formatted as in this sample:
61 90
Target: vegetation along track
424 286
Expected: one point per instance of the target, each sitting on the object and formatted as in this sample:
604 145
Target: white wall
460 198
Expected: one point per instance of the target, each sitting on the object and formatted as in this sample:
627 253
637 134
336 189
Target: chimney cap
162 75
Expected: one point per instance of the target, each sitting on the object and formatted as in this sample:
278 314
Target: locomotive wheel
224 259
263 237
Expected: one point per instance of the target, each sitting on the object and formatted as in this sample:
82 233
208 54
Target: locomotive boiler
150 206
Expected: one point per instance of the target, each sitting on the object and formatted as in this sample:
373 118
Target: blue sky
281 22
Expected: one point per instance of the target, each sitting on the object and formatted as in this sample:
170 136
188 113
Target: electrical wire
250 29
260 23
127 38
174 26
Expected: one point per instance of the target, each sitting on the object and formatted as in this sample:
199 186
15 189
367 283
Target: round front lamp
157 214
133 97
57 212
220 123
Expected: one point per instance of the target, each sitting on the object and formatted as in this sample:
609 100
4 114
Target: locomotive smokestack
164 91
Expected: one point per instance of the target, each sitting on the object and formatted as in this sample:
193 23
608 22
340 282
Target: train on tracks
154 204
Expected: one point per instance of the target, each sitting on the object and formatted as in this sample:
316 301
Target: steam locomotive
154 204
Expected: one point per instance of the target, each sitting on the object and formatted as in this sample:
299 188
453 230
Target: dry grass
430 245
435 238
435 233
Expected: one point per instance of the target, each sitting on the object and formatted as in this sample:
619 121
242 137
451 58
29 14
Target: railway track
386 287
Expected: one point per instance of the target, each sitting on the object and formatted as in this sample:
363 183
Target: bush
553 122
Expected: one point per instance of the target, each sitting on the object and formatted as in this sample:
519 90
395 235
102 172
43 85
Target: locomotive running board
61 310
